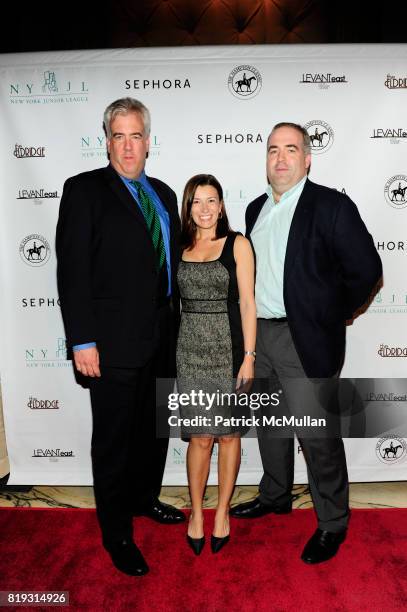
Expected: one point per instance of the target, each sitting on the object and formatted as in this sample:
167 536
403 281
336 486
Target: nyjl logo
52 88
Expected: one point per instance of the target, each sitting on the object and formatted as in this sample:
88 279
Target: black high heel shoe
196 544
218 543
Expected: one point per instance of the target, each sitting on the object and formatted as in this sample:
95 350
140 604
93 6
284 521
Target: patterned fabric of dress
210 342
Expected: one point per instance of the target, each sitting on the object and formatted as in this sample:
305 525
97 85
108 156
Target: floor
362 495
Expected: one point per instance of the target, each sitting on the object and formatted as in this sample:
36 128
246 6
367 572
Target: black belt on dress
274 319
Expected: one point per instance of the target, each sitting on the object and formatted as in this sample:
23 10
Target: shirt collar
141 179
296 189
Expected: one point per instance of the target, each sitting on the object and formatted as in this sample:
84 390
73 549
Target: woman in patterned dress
216 344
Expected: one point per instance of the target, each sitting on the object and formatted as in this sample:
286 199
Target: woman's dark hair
188 227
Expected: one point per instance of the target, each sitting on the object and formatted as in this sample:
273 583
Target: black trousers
128 459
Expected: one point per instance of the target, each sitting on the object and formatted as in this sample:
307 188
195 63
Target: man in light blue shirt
269 238
316 265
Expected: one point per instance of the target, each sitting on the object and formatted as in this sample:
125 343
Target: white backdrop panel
51 107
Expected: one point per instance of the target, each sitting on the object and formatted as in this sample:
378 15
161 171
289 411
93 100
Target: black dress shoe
218 543
323 545
255 508
163 513
196 544
4 481
127 558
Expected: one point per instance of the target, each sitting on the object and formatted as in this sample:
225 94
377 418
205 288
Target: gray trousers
277 362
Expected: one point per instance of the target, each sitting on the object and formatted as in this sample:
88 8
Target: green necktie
153 222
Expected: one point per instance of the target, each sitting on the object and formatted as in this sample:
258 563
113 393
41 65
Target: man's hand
87 361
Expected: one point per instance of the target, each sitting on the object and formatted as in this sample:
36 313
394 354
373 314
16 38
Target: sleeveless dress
210 342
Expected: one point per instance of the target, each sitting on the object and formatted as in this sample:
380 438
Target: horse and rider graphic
35 250
391 450
317 137
400 191
244 82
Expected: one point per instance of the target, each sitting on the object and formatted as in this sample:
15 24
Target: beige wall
4 463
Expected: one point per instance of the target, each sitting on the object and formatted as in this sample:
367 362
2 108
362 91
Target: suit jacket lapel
261 200
120 190
297 230
125 197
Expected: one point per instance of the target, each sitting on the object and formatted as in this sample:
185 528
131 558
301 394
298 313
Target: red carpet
258 570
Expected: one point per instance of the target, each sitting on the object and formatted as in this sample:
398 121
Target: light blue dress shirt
269 237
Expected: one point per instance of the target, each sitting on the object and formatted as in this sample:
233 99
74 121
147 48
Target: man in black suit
316 265
117 248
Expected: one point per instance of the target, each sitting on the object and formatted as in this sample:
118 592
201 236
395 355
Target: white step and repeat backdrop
212 109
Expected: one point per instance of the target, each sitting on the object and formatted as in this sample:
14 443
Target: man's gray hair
124 106
300 129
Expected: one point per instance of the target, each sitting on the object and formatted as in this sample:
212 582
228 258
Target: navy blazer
107 276
331 268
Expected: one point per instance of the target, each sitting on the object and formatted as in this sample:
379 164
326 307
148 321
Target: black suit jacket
331 267
107 277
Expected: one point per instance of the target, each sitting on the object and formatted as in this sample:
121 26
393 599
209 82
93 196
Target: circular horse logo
395 191
35 250
321 136
391 450
244 82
